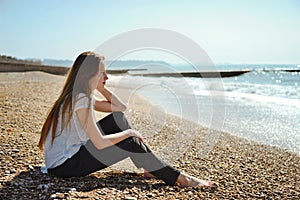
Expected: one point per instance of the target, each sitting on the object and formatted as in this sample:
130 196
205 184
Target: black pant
89 159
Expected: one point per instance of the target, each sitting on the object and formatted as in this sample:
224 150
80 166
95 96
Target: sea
262 105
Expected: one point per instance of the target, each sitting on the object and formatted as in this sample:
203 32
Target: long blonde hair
84 68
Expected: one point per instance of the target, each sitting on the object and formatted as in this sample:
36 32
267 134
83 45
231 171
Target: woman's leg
117 122
89 159
83 162
80 164
132 147
113 123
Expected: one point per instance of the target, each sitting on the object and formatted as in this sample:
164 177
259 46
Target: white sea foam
264 93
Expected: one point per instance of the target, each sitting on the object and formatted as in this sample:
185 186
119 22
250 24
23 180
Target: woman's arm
111 104
101 141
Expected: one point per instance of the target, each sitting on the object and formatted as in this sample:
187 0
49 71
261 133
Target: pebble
71 189
43 187
101 192
130 198
30 167
57 195
150 195
15 150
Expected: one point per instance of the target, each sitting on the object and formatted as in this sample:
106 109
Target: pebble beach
242 169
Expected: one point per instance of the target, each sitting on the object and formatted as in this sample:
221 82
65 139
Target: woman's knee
118 113
113 123
112 116
134 145
121 120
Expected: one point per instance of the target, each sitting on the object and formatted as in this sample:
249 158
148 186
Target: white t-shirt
67 142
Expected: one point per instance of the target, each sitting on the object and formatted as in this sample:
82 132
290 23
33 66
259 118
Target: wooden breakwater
24 67
206 74
58 70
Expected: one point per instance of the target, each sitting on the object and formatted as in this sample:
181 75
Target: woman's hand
102 80
134 133
100 86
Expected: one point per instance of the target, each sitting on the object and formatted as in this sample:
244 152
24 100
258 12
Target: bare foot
148 175
185 180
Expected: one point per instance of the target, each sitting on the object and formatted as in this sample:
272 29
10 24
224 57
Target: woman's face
100 77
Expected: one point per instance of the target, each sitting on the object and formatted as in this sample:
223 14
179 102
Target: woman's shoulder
81 95
82 100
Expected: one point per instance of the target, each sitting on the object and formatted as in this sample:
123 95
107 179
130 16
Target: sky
230 31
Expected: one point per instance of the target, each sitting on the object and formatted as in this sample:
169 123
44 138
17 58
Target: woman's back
67 141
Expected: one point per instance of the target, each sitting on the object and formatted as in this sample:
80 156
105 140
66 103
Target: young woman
75 145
